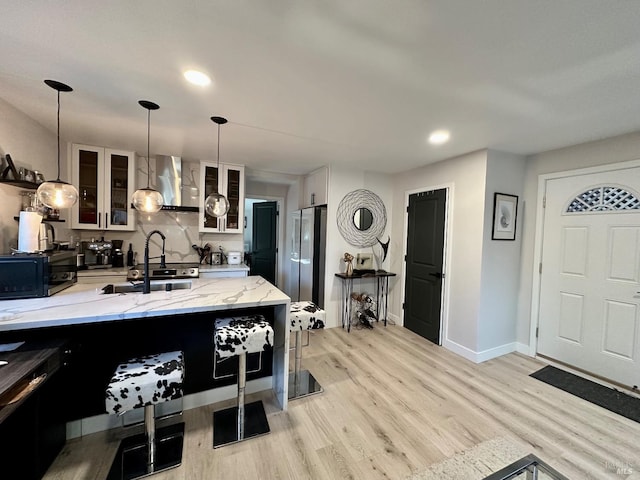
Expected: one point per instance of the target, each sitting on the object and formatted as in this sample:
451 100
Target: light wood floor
393 404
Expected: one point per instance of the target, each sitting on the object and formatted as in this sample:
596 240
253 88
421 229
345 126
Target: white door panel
589 310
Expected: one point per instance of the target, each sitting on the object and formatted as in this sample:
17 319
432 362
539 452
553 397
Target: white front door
589 314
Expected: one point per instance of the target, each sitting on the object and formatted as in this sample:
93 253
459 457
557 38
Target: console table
382 293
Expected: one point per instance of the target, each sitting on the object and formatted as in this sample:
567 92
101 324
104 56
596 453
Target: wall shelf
21 184
45 219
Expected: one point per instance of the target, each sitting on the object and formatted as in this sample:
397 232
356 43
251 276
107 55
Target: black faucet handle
162 261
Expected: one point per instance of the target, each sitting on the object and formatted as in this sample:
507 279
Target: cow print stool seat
144 382
238 336
303 316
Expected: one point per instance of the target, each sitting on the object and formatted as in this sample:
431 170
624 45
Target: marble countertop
85 303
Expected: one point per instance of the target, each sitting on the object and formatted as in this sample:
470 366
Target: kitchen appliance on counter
30 275
216 258
97 253
234 258
46 237
170 270
117 257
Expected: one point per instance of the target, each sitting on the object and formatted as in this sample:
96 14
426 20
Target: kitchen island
106 328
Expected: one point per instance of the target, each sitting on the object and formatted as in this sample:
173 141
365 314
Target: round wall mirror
363 219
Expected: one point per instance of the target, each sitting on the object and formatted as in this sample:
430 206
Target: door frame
280 232
446 254
536 284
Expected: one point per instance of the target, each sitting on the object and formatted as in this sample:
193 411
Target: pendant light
148 200
57 194
217 204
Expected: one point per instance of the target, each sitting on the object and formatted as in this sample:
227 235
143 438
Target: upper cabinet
230 183
315 188
106 181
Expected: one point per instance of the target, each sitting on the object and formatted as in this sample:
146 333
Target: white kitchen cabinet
315 188
230 183
105 179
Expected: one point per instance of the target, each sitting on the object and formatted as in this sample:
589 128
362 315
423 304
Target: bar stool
144 382
303 316
238 336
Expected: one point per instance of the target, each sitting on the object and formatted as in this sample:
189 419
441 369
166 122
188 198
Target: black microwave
30 275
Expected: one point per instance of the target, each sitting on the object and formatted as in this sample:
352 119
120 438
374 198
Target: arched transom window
604 199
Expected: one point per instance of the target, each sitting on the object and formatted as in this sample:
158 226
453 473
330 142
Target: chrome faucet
147 280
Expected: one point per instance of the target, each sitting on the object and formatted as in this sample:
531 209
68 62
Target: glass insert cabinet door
211 185
228 181
106 180
117 168
232 179
89 201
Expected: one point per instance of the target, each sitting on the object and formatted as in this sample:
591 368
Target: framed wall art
505 210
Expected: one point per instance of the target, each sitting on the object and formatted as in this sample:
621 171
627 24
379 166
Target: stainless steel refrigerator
308 253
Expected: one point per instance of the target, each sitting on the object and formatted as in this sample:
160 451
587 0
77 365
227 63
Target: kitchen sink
156 285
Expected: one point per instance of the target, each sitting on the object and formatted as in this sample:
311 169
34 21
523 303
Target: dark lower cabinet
33 434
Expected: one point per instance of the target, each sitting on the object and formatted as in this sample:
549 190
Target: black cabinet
32 429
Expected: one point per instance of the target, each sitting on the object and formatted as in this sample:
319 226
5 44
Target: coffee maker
97 253
117 257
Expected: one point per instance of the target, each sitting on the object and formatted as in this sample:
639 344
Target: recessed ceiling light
438 137
197 78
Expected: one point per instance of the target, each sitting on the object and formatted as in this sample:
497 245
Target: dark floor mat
609 398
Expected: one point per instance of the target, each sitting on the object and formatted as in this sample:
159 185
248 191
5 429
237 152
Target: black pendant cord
148 148
218 151
58 178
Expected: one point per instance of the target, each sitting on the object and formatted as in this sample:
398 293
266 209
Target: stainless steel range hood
169 182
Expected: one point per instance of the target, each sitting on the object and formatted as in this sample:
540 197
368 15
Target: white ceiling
307 83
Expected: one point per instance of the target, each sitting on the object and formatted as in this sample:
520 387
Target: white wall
342 181
612 150
500 261
32 146
467 175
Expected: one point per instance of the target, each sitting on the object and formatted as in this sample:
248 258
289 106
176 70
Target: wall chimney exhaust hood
177 197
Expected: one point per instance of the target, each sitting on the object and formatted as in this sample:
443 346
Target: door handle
438 275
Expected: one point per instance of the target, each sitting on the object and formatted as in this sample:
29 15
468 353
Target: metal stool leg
301 382
243 421
150 452
150 430
242 383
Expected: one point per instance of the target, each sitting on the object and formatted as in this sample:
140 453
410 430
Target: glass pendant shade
148 200
57 194
216 204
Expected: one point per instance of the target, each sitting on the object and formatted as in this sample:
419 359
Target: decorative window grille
601 199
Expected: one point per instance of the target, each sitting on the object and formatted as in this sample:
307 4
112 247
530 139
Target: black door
264 240
425 248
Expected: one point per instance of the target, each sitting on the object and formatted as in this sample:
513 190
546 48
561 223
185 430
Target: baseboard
391 318
100 423
479 357
524 349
